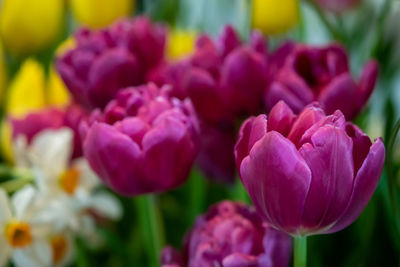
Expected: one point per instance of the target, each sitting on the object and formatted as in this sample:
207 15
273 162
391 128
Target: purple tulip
223 78
302 74
338 6
106 60
231 235
143 142
307 174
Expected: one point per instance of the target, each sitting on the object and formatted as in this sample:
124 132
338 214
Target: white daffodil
21 239
70 188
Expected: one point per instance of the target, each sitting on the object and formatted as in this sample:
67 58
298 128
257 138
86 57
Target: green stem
240 193
392 177
197 194
300 251
152 227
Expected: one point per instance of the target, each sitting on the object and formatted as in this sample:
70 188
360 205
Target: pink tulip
302 74
143 142
307 174
106 60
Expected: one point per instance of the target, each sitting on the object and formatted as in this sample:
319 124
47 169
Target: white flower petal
107 205
88 179
5 211
36 255
5 251
21 152
51 151
22 199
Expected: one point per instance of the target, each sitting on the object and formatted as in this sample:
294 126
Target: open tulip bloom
144 142
307 174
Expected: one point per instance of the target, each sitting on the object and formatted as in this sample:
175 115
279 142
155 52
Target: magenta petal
258 130
278 91
281 118
330 160
277 245
368 80
240 260
307 118
228 41
202 90
241 149
277 179
112 71
169 153
364 186
115 158
341 94
361 145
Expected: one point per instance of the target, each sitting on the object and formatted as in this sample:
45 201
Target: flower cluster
41 220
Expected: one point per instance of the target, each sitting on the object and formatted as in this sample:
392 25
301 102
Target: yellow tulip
27 91
6 141
180 43
28 26
100 13
57 93
273 17
3 75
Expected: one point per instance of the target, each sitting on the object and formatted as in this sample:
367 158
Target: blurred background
33 31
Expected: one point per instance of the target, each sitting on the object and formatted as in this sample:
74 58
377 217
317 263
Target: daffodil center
18 234
59 248
69 180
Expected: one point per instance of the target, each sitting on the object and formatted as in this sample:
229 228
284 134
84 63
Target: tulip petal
247 139
278 91
277 179
361 145
114 69
368 80
307 118
281 118
364 186
340 94
116 159
330 159
169 153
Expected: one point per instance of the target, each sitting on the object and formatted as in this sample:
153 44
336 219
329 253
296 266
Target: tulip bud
27 91
98 14
307 174
105 61
230 234
28 26
143 142
302 74
272 17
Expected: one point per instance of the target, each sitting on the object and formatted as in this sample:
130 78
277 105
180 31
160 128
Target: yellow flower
57 93
100 13
3 75
28 26
30 91
26 92
273 17
180 43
